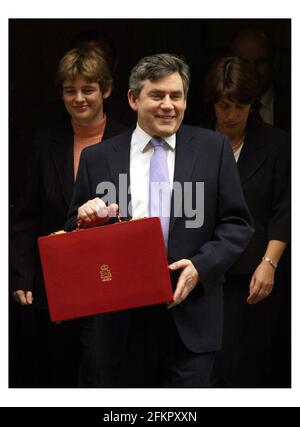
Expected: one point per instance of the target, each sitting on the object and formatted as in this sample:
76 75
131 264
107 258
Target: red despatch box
108 268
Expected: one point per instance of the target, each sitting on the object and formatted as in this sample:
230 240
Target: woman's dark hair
230 78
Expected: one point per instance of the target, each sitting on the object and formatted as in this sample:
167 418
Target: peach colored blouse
84 136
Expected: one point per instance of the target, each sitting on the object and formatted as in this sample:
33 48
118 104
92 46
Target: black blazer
45 201
282 104
201 156
264 167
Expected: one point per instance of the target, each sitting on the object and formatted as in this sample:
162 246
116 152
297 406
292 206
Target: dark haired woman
262 154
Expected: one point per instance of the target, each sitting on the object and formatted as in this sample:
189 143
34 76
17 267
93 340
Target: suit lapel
62 155
185 158
253 153
119 164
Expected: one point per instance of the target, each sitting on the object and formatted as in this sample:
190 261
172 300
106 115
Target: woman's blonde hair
88 63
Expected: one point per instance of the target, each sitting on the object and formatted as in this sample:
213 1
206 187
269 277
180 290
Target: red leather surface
78 281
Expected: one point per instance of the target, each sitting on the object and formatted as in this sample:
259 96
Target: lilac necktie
159 191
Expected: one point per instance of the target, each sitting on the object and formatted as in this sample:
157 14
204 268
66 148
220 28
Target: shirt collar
267 98
142 139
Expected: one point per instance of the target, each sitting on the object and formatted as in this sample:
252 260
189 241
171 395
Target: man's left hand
188 279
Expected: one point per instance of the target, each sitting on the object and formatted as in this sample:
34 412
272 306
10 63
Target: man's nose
167 103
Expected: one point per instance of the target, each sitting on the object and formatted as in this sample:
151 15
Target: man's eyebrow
156 91
159 92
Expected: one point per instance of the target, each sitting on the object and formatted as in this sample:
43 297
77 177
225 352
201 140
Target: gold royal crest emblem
105 273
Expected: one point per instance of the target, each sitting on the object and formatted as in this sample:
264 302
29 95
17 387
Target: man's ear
133 100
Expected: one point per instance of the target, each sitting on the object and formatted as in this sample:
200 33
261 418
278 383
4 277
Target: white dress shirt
140 156
237 153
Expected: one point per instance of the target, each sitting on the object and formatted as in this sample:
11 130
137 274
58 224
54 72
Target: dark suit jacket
264 167
201 156
282 105
45 202
281 89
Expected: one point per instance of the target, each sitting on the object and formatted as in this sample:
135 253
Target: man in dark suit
174 345
254 46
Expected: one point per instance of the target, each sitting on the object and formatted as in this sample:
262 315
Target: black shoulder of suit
58 130
113 128
264 134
